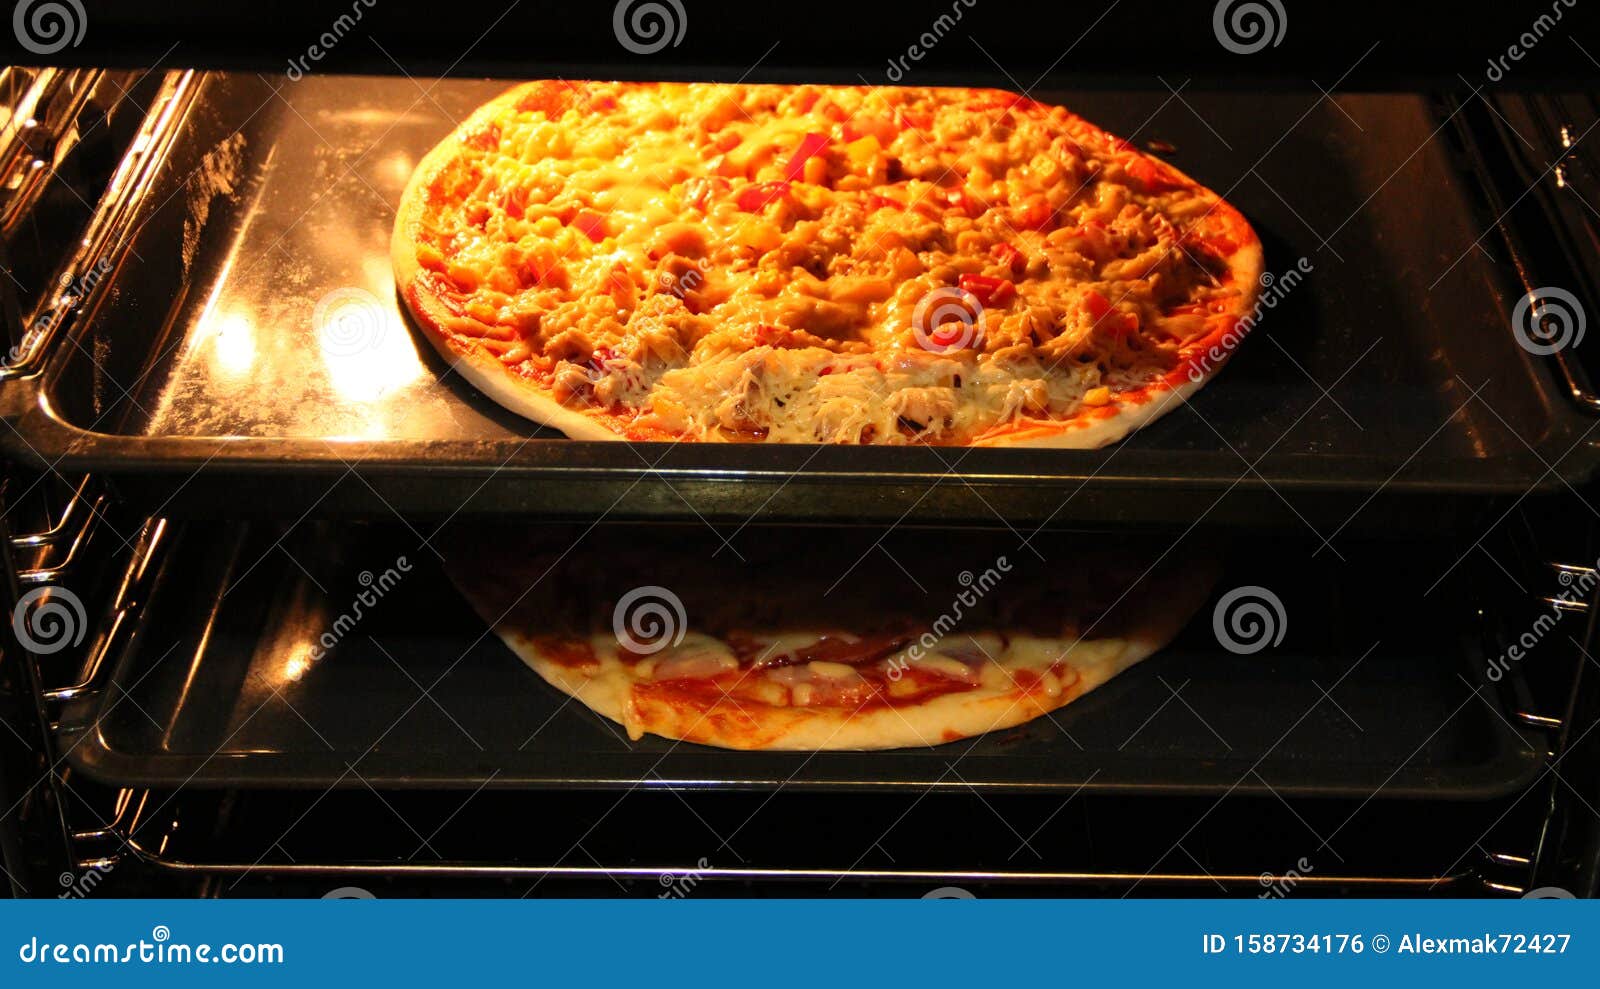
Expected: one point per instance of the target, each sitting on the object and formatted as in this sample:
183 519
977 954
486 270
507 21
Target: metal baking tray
1387 388
222 685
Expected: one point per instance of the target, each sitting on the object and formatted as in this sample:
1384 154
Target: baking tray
221 687
196 372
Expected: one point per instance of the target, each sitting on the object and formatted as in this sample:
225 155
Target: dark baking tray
1391 371
217 689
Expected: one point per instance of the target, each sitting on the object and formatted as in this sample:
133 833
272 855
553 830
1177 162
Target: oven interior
186 744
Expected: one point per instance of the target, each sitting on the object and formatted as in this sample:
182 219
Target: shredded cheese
784 263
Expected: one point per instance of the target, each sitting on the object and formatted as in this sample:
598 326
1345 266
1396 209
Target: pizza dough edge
1162 609
947 718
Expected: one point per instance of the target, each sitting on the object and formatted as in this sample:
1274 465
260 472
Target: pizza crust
1159 601
752 726
1089 429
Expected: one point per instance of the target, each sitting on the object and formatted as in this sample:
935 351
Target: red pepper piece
809 145
592 224
1096 305
1117 324
1012 258
987 289
1154 177
913 121
754 198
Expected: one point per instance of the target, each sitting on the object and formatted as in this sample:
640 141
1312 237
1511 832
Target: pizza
816 264
819 649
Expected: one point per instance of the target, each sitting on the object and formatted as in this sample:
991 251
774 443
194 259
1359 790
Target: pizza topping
762 257
798 167
833 669
697 662
754 198
591 223
988 290
1014 260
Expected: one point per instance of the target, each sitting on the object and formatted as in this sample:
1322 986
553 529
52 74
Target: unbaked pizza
815 264
819 648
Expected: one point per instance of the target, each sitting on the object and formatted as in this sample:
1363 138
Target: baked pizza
816 264
819 649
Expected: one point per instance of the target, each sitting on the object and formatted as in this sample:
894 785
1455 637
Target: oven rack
153 829
431 447
72 824
73 146
145 832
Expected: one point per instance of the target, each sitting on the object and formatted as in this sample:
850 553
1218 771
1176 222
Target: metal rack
154 832
60 533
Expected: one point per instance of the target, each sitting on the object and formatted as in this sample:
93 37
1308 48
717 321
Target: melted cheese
986 661
642 250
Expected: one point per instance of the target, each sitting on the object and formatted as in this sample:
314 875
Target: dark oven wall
951 41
